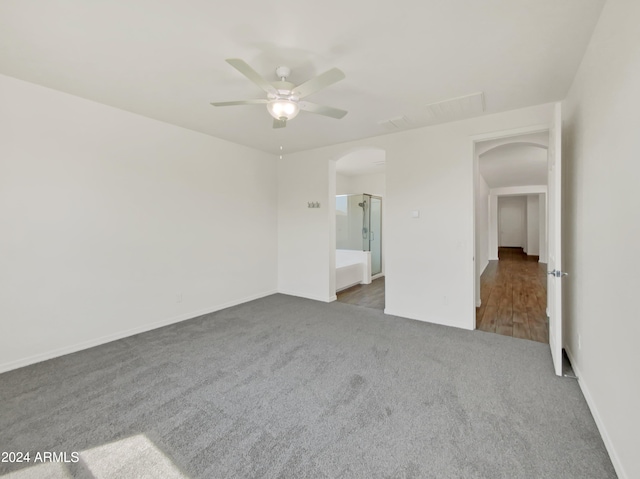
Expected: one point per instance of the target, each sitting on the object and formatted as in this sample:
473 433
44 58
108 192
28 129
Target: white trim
608 443
518 190
338 290
36 358
442 322
475 282
484 268
325 299
495 135
478 303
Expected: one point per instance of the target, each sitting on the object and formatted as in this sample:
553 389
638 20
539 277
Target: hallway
513 293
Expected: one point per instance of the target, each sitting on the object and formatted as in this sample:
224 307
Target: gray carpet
284 387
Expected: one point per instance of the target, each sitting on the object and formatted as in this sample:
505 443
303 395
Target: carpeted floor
284 387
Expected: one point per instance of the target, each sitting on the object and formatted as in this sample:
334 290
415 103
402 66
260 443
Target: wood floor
513 291
367 295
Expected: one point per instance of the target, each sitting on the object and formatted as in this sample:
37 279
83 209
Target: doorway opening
511 235
359 227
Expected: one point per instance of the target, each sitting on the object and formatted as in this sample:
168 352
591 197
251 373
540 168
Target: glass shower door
359 226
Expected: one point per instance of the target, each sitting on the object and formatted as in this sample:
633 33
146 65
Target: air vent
456 108
397 123
444 111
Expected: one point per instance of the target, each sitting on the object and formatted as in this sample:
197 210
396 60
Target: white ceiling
515 164
367 161
540 138
165 59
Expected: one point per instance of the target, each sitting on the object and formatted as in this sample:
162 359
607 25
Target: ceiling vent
453 109
456 108
397 123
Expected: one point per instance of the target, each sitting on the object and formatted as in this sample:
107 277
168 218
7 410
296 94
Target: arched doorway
359 227
511 235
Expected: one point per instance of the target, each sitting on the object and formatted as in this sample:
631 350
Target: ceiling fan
284 98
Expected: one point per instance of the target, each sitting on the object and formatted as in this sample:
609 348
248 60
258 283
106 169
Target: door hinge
557 274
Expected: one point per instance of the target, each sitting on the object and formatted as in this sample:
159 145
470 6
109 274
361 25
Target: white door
554 267
511 218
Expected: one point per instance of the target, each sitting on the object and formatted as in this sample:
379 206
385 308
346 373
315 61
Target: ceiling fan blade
244 68
318 83
322 110
239 102
279 123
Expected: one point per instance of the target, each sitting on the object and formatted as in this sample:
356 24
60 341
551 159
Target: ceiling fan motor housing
285 90
283 72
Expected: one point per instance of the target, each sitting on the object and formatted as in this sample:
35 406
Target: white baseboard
617 465
325 299
478 303
484 267
350 285
54 353
400 314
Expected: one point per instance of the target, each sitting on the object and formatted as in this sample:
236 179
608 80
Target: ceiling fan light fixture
283 97
283 109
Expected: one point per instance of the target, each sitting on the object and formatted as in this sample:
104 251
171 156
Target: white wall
512 221
601 229
107 217
349 225
528 226
373 184
494 194
306 236
533 226
542 227
430 259
482 231
343 185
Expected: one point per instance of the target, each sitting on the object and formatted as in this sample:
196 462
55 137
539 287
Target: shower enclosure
359 226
